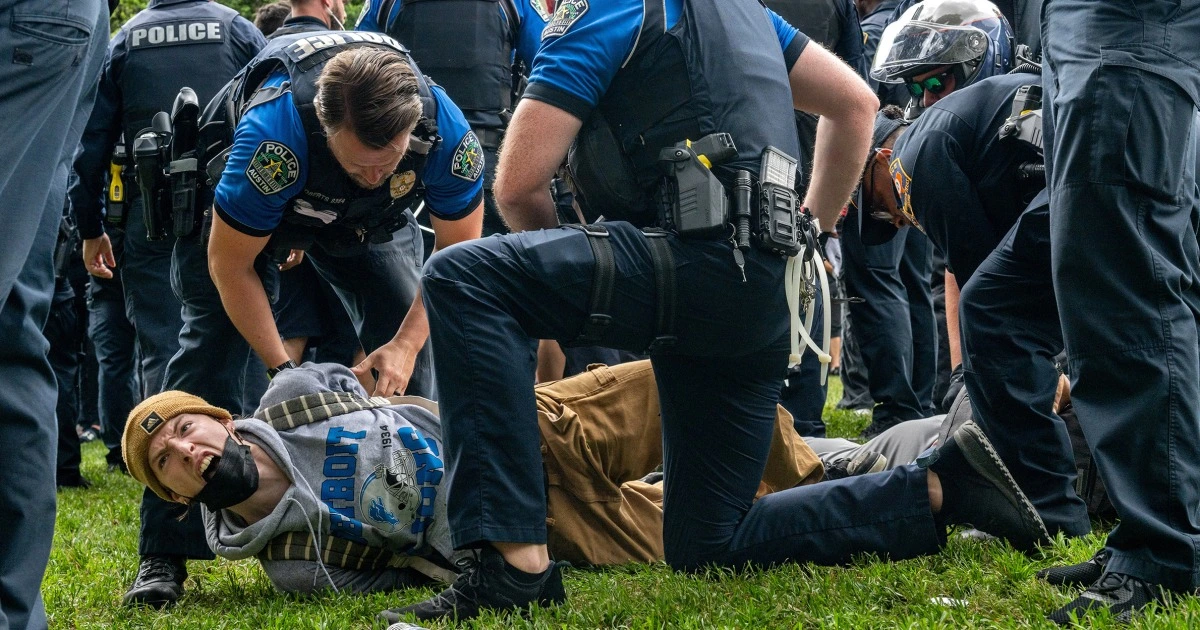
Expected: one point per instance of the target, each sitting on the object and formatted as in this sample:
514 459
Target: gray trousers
900 444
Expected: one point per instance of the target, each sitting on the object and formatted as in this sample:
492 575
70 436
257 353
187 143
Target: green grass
968 585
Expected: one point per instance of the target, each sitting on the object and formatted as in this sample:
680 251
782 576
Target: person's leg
915 266
898 445
1010 335
151 305
377 289
882 326
114 340
1125 263
62 332
49 80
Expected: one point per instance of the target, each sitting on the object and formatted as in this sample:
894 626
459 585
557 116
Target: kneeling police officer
334 136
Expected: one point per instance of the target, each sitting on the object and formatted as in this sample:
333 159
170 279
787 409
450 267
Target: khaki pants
601 433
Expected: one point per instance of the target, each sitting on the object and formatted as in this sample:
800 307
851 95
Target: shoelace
157 568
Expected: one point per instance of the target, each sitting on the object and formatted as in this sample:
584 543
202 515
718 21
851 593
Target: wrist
286 365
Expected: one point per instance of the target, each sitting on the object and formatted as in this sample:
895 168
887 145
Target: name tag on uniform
176 33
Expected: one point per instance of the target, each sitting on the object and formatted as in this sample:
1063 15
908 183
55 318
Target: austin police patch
151 422
567 14
273 168
468 158
539 6
903 186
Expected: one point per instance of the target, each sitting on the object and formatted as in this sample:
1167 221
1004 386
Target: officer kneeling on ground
617 79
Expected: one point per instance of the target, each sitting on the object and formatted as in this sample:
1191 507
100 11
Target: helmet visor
907 47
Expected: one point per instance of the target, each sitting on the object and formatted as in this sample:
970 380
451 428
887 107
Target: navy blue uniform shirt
532 15
958 177
104 126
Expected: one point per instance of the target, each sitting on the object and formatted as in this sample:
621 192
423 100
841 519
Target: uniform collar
158 3
296 20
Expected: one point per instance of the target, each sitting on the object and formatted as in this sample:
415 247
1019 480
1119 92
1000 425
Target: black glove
956 385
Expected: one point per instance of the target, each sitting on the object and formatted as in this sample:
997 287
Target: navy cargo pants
1011 334
1123 83
49 70
488 299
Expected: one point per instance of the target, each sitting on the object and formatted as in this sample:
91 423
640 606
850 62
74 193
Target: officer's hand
393 364
98 256
295 257
956 385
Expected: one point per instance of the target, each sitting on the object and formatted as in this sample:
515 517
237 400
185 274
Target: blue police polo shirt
448 194
587 41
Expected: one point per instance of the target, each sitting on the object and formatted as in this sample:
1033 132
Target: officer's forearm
415 327
836 167
245 301
952 328
531 210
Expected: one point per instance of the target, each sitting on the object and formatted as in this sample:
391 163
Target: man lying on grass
327 487
330 488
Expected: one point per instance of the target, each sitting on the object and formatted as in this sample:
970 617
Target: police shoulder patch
902 182
152 422
273 167
566 14
468 158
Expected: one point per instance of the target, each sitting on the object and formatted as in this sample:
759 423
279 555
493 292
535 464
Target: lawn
970 584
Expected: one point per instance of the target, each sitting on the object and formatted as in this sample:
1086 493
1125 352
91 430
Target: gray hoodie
372 476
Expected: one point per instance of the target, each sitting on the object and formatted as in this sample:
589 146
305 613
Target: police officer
933 48
468 48
1121 134
313 15
322 178
48 92
720 339
968 188
153 55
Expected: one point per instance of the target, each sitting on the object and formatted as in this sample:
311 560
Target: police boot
159 582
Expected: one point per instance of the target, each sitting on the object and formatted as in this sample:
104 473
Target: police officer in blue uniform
49 79
605 75
1123 86
468 48
291 184
149 60
967 187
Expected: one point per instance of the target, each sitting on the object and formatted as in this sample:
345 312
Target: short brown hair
269 17
370 91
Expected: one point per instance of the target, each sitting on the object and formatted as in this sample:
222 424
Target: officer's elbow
513 194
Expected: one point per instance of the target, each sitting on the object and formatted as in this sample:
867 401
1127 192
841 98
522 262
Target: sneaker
864 462
485 583
1124 596
159 582
978 490
71 480
1082 574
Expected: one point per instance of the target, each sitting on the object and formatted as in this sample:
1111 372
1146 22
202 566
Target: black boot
487 583
159 582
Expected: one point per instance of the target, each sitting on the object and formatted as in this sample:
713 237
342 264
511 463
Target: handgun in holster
694 202
184 168
151 153
114 206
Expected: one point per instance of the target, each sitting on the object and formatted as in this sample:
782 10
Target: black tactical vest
331 209
166 46
719 69
466 46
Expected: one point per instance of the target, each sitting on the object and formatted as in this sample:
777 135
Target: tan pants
601 433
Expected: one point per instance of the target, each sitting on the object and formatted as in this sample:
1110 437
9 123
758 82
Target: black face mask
235 479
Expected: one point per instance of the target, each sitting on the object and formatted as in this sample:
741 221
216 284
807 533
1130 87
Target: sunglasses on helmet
935 84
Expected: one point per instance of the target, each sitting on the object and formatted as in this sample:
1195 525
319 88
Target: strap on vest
666 297
603 277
